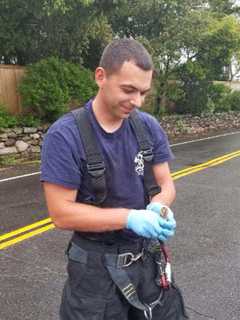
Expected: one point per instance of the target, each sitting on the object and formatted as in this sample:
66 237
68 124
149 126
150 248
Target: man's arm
70 215
164 180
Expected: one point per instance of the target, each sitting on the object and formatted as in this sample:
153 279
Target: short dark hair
121 50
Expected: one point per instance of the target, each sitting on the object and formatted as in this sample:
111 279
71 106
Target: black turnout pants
90 293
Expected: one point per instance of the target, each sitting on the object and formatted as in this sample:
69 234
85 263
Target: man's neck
106 120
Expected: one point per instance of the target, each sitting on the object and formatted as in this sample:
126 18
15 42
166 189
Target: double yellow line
11 238
211 163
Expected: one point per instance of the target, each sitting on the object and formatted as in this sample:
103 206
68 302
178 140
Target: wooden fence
10 77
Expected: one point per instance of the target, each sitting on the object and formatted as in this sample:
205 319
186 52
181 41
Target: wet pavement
22 201
205 250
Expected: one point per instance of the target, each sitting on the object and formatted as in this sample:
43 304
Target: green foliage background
7 120
52 85
192 43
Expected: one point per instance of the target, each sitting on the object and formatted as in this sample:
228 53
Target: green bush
223 98
6 119
174 94
80 83
233 100
51 85
195 99
195 83
27 120
161 101
217 94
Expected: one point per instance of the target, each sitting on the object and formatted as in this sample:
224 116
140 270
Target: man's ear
100 76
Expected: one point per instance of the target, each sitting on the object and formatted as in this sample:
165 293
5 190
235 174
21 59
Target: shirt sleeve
161 147
60 162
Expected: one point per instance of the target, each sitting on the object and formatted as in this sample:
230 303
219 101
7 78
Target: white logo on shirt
139 164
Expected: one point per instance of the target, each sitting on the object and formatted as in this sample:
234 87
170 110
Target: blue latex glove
149 224
158 207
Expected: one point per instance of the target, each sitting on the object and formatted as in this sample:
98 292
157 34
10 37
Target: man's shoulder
64 126
64 132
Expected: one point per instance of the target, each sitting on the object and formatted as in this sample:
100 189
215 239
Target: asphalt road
205 250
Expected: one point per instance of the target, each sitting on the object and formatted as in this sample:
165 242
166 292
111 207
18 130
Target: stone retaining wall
179 125
26 142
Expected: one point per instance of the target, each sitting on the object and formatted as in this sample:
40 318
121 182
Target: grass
8 160
13 160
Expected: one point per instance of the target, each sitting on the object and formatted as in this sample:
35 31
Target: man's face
124 90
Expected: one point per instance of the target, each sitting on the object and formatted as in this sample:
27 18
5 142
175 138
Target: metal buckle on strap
152 305
126 259
96 169
147 154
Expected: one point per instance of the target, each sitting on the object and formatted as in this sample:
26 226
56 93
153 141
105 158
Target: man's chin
125 115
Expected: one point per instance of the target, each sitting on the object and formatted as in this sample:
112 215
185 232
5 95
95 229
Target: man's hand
149 224
163 211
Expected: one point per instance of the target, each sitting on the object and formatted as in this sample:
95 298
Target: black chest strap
95 162
146 149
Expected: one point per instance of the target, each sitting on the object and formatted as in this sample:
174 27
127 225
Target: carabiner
152 305
148 312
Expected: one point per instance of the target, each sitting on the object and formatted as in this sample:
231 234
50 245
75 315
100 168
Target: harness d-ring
152 305
148 312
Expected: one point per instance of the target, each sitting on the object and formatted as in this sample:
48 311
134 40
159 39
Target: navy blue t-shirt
64 161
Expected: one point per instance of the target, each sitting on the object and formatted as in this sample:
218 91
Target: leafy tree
164 27
212 52
218 45
32 30
224 7
194 41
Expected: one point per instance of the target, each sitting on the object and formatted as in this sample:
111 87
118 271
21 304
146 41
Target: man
121 228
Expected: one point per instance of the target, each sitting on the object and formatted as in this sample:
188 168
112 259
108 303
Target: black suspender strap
123 282
121 279
95 162
142 136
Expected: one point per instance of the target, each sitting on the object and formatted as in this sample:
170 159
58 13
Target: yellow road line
28 235
207 163
24 229
47 222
